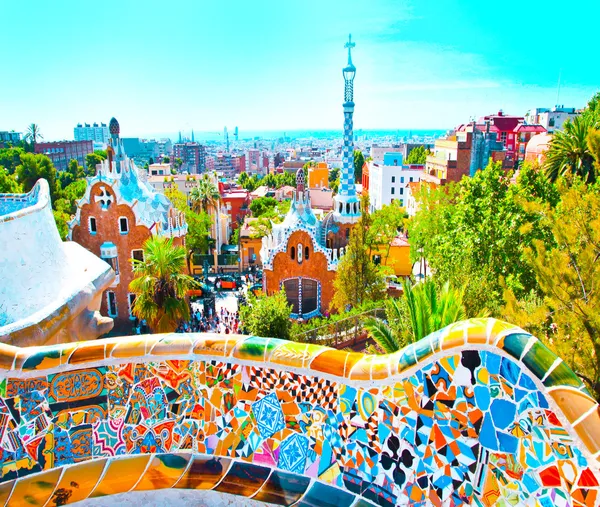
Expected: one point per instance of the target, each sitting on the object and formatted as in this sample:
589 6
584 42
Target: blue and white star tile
269 416
293 453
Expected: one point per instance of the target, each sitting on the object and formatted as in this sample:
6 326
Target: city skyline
272 67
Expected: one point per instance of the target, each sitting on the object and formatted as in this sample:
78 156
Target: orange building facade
115 217
300 256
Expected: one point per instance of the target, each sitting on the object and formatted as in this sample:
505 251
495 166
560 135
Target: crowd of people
222 321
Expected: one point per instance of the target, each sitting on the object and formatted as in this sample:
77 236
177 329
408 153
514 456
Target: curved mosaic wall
480 413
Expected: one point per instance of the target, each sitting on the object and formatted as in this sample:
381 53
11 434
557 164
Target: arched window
293 253
306 252
348 208
299 253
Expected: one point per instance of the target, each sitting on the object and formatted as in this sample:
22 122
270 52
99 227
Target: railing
341 333
222 259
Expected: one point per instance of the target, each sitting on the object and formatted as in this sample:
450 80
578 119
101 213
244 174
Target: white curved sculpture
50 290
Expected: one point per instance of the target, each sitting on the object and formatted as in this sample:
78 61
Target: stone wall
480 413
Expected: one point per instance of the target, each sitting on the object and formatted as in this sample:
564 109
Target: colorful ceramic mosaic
480 413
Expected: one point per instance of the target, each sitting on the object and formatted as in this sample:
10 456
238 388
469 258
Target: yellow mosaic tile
77 482
121 475
88 352
172 345
35 489
163 472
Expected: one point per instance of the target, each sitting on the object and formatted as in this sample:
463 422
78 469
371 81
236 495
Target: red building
365 178
115 217
504 125
237 202
62 152
524 133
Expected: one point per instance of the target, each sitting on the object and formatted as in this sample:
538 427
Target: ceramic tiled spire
346 203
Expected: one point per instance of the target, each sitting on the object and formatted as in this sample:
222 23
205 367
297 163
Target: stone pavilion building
301 254
117 214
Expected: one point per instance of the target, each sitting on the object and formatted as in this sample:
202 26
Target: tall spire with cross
346 204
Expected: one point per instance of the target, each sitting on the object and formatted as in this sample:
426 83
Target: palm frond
382 334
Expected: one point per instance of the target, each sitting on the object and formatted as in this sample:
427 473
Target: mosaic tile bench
480 413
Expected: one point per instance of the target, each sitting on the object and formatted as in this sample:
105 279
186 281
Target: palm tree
33 135
421 312
205 195
569 152
160 285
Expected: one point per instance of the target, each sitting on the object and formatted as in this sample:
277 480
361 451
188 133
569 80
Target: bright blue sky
164 66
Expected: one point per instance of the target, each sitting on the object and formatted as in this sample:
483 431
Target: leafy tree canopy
32 168
8 183
92 160
262 205
358 279
418 155
359 161
474 233
267 316
10 158
564 310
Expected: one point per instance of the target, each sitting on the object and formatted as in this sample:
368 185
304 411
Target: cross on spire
349 45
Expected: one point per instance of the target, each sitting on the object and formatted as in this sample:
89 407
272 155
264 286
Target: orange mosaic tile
163 472
35 489
204 473
121 475
77 482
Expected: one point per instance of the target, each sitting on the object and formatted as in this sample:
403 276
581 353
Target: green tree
10 158
262 205
205 195
248 182
569 152
474 233
8 183
196 239
61 219
334 179
358 280
178 163
422 310
166 160
32 168
593 140
386 224
74 172
33 135
359 161
568 274
418 155
160 286
92 160
267 316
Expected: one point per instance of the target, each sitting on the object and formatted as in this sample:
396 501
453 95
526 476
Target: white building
551 119
95 132
388 183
